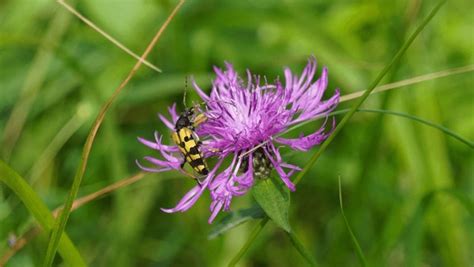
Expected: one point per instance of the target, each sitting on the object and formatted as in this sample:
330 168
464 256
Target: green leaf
274 198
355 243
236 218
40 211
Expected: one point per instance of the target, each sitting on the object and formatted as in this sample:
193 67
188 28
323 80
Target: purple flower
244 122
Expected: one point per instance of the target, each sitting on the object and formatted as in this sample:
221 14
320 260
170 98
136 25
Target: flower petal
188 200
198 90
215 210
284 177
173 113
304 143
166 122
193 195
157 145
168 164
151 169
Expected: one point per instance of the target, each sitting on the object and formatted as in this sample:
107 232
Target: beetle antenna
185 91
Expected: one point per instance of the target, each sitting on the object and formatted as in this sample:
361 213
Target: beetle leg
199 119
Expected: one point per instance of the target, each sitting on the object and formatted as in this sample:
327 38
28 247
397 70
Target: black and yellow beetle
188 142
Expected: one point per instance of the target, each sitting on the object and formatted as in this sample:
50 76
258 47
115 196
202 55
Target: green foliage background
393 170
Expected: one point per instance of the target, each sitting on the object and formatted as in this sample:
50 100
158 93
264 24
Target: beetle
187 140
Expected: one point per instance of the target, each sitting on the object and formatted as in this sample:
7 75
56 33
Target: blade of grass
423 121
360 254
399 114
416 119
364 96
62 220
34 231
33 82
379 77
58 141
107 36
40 211
369 152
46 157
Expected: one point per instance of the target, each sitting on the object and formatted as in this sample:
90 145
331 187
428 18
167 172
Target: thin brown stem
106 35
410 81
61 222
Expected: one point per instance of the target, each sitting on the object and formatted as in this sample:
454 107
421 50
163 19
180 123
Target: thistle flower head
244 120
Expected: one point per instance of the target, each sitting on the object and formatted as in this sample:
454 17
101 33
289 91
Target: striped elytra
188 142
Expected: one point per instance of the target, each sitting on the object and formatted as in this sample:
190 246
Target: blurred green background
56 72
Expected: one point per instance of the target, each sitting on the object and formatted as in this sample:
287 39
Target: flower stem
379 77
297 243
249 242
